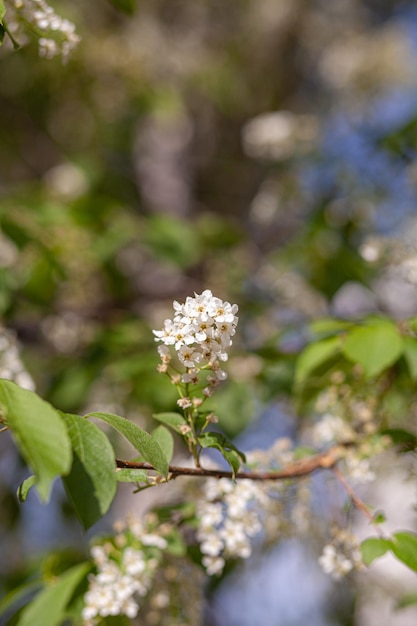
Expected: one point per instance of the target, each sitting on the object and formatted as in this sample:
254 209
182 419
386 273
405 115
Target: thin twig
353 496
302 467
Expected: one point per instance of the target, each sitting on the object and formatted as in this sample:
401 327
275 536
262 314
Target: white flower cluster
342 556
200 332
56 34
356 464
230 516
358 468
331 429
11 366
125 570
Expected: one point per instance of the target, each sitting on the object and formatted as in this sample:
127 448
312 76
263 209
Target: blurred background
264 149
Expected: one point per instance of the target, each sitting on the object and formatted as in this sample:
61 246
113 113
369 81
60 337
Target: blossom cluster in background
346 418
233 515
229 516
56 34
342 555
125 567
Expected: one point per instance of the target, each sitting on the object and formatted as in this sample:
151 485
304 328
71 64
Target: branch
303 467
355 499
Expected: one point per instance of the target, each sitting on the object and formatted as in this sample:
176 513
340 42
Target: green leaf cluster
56 444
51 604
402 544
39 432
147 445
375 345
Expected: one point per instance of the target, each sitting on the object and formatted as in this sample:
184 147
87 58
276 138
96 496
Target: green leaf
176 545
24 488
131 475
315 355
373 548
403 438
165 440
410 355
174 420
127 6
218 441
404 546
39 432
91 484
17 595
48 607
301 452
379 517
233 459
140 439
2 11
329 326
375 346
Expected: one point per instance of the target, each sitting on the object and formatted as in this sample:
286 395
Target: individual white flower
213 565
48 48
190 377
203 327
133 561
99 555
233 534
166 334
183 336
188 356
88 612
212 546
151 539
220 374
184 403
164 353
129 608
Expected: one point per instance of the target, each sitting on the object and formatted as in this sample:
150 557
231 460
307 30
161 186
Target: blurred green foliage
125 183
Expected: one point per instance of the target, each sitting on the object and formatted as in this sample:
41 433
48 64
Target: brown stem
353 496
303 467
